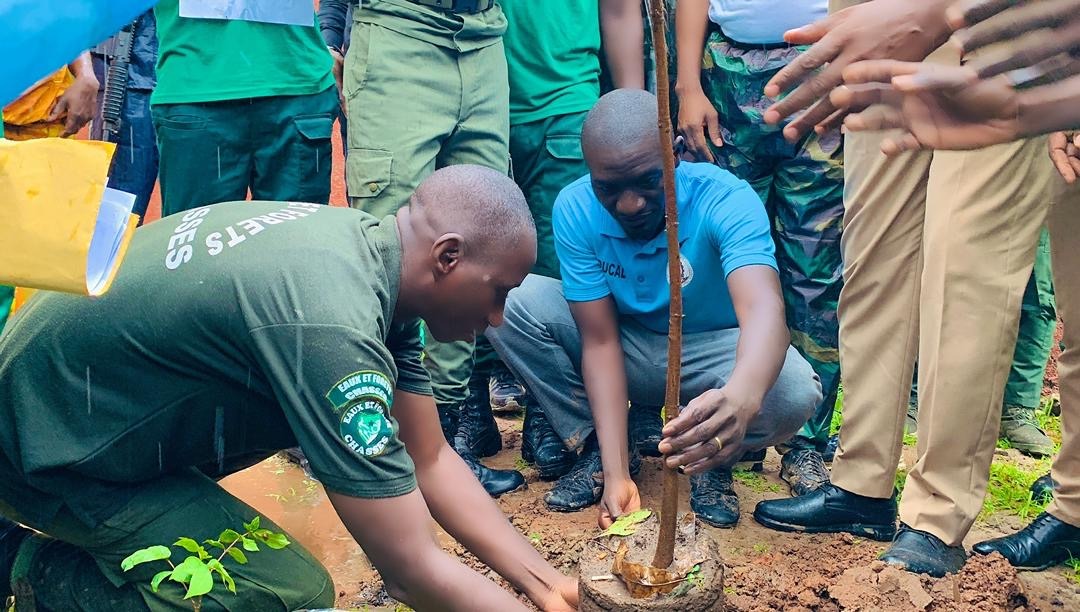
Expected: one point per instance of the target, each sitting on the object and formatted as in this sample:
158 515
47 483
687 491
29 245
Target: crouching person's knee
302 582
794 397
797 393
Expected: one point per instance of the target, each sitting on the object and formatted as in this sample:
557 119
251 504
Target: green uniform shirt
459 31
231 332
211 60
553 57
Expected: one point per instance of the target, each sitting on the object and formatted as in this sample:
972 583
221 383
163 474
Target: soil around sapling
703 590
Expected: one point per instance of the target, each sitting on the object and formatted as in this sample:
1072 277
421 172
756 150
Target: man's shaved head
468 238
485 206
620 120
621 143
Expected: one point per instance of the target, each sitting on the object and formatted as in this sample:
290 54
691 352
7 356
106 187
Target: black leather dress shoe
713 498
831 509
583 485
540 445
645 425
1043 488
920 552
495 482
1045 542
477 429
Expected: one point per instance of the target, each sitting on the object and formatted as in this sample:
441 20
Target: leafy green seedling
626 524
196 572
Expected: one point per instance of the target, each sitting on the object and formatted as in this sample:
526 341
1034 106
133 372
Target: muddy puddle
765 570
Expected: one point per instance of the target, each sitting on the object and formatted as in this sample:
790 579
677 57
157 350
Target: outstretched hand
892 29
1065 153
956 114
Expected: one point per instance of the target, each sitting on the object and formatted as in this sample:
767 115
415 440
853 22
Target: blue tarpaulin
38 37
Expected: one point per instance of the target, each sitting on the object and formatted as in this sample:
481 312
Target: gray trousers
540 343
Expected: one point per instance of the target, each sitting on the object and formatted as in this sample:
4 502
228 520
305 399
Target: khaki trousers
938 247
1064 223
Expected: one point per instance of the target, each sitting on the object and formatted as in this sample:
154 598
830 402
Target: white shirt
764 21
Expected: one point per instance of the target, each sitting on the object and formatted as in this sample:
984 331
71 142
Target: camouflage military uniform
802 185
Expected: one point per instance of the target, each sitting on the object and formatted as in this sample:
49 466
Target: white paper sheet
286 12
108 234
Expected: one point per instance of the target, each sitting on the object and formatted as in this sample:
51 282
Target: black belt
745 46
457 6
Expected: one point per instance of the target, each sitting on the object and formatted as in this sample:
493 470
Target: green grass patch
1072 571
761 549
520 464
1009 490
755 481
838 412
901 480
910 439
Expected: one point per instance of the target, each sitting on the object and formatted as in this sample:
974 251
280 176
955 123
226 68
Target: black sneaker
11 537
506 395
495 482
1045 542
713 498
920 552
540 445
477 431
804 470
831 509
583 485
645 425
1042 490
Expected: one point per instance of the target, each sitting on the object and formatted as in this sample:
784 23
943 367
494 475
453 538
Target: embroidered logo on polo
686 271
364 399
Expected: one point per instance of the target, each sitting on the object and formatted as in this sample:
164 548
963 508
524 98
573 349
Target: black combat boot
645 426
1046 541
583 485
540 444
713 498
804 470
477 429
11 537
831 509
495 482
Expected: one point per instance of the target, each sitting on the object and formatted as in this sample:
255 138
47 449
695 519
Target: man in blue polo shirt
588 347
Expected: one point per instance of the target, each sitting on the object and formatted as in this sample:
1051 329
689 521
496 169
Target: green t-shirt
211 60
231 332
458 31
553 57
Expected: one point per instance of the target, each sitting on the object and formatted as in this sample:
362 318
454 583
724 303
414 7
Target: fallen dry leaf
642 580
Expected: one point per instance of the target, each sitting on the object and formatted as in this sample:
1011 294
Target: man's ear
446 253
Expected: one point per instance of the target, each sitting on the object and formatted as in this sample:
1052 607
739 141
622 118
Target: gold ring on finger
719 444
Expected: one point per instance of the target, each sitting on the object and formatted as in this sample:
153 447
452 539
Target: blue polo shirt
722 227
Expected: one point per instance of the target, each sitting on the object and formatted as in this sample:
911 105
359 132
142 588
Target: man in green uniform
425 86
241 105
553 56
284 324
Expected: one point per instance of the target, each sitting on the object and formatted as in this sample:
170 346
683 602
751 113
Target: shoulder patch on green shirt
364 399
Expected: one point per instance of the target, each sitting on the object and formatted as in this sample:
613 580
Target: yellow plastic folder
60 227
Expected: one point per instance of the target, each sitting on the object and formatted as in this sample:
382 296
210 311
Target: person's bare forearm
604 374
691 28
623 33
762 346
82 66
467 512
394 533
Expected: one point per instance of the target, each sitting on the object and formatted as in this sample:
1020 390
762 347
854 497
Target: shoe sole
523 485
510 407
717 525
881 533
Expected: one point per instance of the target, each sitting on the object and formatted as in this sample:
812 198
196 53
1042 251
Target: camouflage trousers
802 186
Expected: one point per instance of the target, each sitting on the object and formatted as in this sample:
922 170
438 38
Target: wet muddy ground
765 570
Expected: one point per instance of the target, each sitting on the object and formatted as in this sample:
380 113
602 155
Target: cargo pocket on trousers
564 146
315 156
367 172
